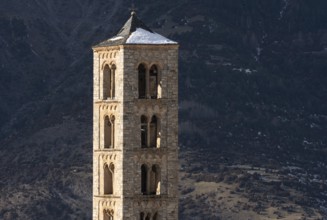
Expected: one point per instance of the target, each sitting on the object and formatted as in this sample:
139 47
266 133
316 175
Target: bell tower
135 125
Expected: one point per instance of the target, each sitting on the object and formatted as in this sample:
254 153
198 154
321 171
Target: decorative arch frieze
108 158
109 106
107 204
109 54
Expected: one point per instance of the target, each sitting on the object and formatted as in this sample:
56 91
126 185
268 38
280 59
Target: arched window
107 132
148 217
112 82
155 217
144 179
155 180
142 216
153 82
109 129
148 82
106 82
153 131
109 82
108 215
142 81
144 131
108 179
150 132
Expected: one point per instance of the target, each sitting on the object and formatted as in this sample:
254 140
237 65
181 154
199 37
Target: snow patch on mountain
282 11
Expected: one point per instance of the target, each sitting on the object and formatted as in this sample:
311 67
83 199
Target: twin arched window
108 214
108 179
150 180
148 82
109 82
109 132
144 216
149 132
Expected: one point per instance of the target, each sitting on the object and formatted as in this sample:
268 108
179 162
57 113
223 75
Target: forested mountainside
253 110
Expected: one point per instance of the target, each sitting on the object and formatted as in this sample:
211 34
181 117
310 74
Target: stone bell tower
135 126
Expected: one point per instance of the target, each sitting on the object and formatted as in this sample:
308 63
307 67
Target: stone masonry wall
101 156
127 201
166 109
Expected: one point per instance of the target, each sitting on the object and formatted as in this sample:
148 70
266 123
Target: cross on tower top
133 8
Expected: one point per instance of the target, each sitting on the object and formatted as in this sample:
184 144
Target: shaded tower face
135 126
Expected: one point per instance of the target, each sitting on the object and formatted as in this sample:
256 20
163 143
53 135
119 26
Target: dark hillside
253 110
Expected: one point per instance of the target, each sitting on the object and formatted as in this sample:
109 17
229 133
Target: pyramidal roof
135 31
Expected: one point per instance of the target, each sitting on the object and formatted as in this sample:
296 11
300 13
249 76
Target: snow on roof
141 36
116 38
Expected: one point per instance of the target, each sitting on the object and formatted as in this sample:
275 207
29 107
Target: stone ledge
164 197
104 101
107 197
147 197
152 100
148 149
107 150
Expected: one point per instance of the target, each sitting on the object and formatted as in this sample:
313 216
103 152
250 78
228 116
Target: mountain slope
252 105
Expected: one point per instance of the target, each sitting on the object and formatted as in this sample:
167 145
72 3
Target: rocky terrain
253 110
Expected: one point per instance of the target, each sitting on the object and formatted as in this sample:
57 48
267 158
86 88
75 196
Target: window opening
108 179
142 81
144 131
142 216
108 215
153 132
153 82
106 82
109 132
112 81
144 179
155 180
155 217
